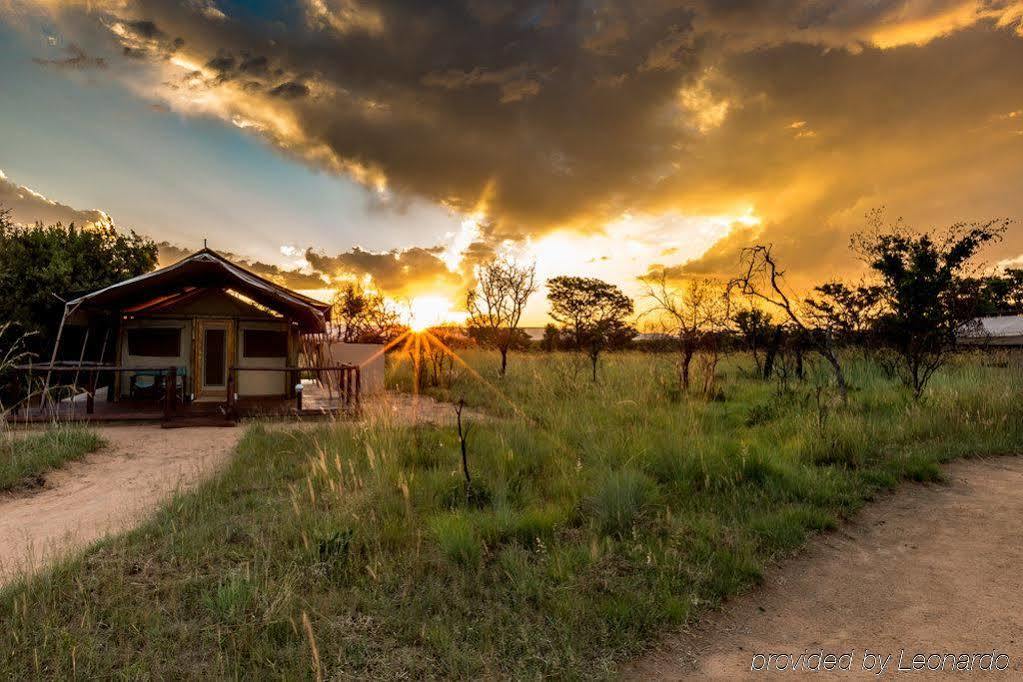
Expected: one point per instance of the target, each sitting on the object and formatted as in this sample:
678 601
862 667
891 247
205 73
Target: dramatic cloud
292 278
398 273
28 207
559 117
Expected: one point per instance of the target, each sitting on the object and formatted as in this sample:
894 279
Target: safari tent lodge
203 336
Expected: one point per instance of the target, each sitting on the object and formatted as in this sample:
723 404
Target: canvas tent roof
206 269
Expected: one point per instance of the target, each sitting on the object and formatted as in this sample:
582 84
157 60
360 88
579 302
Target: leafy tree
551 340
850 311
926 291
364 316
495 304
999 294
39 264
755 328
692 313
592 313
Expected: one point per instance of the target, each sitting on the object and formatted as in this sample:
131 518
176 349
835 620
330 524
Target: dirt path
106 492
112 490
929 569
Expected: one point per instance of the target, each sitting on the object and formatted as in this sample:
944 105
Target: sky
400 143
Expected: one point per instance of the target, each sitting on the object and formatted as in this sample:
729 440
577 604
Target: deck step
198 420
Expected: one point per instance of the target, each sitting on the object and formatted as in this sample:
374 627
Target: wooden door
214 355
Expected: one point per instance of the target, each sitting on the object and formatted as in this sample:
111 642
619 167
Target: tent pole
53 355
81 356
102 357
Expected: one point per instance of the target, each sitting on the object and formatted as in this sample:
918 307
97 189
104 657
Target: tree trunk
832 359
687 359
772 351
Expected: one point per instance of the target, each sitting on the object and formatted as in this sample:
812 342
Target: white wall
369 357
182 362
260 383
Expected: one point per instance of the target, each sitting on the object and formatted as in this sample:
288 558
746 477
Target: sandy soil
106 492
927 569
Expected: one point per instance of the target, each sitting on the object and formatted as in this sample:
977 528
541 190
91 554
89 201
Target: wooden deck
316 402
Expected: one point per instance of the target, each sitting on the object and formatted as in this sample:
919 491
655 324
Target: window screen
155 342
264 343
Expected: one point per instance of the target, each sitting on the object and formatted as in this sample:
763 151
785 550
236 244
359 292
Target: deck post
230 391
90 394
170 391
358 385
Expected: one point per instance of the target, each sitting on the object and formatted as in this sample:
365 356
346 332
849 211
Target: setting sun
430 311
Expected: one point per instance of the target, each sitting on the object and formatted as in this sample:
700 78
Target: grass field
25 458
603 515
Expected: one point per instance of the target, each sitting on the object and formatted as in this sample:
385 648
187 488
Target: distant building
1004 330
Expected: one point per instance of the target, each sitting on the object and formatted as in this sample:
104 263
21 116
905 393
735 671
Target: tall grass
605 514
24 458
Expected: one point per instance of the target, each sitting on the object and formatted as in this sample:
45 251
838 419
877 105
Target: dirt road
106 492
928 569
112 490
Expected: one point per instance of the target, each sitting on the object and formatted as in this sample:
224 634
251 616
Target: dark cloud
398 273
290 90
569 114
77 59
145 29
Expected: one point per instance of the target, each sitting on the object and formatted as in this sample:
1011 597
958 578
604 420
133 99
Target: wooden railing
347 379
169 400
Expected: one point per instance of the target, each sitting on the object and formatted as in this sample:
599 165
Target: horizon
329 142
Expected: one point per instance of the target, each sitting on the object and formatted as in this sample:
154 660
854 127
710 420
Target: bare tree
762 280
495 304
463 442
691 313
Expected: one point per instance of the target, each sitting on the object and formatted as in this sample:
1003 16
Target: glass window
155 342
264 343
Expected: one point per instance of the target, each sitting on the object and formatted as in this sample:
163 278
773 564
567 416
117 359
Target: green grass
601 517
25 458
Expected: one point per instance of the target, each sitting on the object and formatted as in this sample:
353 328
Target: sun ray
391 344
476 375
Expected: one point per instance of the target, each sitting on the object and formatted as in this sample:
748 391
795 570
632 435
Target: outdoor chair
151 385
